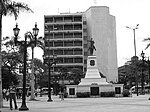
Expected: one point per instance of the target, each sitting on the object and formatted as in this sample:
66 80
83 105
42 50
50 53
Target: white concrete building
101 26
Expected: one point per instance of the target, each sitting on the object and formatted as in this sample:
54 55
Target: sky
127 13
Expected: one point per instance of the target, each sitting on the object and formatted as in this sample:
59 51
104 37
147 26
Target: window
78 19
58 44
58 35
77 35
60 60
68 27
68 60
78 27
68 43
117 90
48 20
48 44
71 91
77 43
68 52
58 19
84 22
68 35
58 52
68 19
78 52
78 60
85 61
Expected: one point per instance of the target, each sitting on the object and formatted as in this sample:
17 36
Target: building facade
68 36
64 37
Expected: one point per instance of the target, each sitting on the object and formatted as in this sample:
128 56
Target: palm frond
147 46
22 6
147 39
13 8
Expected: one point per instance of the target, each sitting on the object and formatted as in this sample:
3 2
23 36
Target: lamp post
134 28
25 44
142 79
49 64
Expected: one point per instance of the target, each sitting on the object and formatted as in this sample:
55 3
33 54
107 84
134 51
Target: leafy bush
108 94
83 94
126 93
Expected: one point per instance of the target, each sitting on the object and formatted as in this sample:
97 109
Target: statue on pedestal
92 47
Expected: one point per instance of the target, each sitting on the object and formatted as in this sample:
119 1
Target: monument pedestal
92 75
93 83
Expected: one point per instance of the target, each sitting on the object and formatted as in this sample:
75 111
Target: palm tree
41 45
8 7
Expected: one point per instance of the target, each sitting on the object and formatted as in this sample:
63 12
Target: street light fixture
35 32
135 57
49 64
16 31
142 79
25 45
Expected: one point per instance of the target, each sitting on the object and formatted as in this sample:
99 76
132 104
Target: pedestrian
7 94
12 96
4 93
62 93
20 93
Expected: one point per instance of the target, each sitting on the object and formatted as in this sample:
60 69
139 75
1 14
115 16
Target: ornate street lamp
35 32
16 33
25 45
49 64
142 79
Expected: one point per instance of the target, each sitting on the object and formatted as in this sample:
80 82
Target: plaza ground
121 104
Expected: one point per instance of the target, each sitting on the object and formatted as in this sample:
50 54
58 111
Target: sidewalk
123 104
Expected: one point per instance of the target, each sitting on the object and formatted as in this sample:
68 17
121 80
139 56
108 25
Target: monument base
93 84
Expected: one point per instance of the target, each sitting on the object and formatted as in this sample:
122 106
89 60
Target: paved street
123 104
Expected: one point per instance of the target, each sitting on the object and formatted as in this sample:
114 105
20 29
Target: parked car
44 90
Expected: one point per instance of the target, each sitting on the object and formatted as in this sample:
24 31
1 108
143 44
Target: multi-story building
67 36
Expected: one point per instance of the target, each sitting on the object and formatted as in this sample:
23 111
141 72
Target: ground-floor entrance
94 91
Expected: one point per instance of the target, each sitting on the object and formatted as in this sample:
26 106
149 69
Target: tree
8 7
39 70
76 75
39 43
11 59
63 75
8 77
132 73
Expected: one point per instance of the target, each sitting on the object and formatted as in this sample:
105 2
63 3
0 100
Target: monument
93 83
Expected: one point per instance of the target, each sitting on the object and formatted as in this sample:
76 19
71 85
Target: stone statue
92 47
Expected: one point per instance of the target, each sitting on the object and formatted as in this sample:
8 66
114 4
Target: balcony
58 44
77 43
68 52
78 19
68 43
78 60
68 35
68 60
